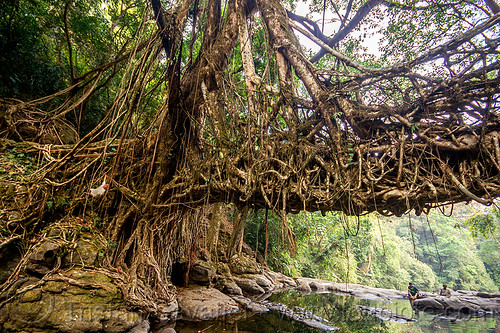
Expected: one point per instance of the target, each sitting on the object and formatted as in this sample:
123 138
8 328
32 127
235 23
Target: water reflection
341 311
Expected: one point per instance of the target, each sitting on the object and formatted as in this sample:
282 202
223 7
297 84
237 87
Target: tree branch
68 41
495 8
358 17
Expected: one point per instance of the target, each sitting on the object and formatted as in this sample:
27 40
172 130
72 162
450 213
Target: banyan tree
224 102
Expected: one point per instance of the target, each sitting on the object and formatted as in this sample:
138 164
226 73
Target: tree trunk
236 242
214 227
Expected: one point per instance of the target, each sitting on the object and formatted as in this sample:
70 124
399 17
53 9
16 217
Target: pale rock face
302 285
202 303
249 286
263 282
227 286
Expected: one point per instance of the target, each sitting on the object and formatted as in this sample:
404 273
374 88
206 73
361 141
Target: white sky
331 27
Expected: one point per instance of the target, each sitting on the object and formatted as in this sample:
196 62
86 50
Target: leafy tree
453 256
28 65
48 45
489 253
483 225
484 228
381 252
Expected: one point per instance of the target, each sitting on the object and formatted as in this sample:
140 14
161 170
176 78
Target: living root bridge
356 139
387 139
389 178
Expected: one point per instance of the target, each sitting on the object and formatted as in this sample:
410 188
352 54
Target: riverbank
460 305
61 290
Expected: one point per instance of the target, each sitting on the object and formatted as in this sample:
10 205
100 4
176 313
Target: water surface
341 311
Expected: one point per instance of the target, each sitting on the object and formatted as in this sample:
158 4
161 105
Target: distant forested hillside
461 250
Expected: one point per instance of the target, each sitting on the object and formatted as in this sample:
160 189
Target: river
342 311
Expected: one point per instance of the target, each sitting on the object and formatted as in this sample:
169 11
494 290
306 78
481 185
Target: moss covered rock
244 265
76 301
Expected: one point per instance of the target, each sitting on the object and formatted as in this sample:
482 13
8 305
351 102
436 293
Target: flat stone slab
202 303
357 290
460 302
250 305
385 314
301 315
249 286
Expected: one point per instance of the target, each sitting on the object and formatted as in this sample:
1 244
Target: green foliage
15 166
453 257
490 254
255 235
483 224
410 33
36 60
28 67
484 229
58 204
338 248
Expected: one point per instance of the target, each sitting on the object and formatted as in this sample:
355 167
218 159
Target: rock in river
202 303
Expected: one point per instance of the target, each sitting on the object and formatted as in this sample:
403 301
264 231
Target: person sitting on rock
413 293
445 291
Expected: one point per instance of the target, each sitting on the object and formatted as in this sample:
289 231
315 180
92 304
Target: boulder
280 278
249 286
74 301
143 327
458 304
201 274
491 305
43 258
488 295
319 286
202 303
261 280
462 302
86 253
340 288
427 303
223 269
303 285
247 250
167 311
250 305
227 285
244 264
165 330
264 282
